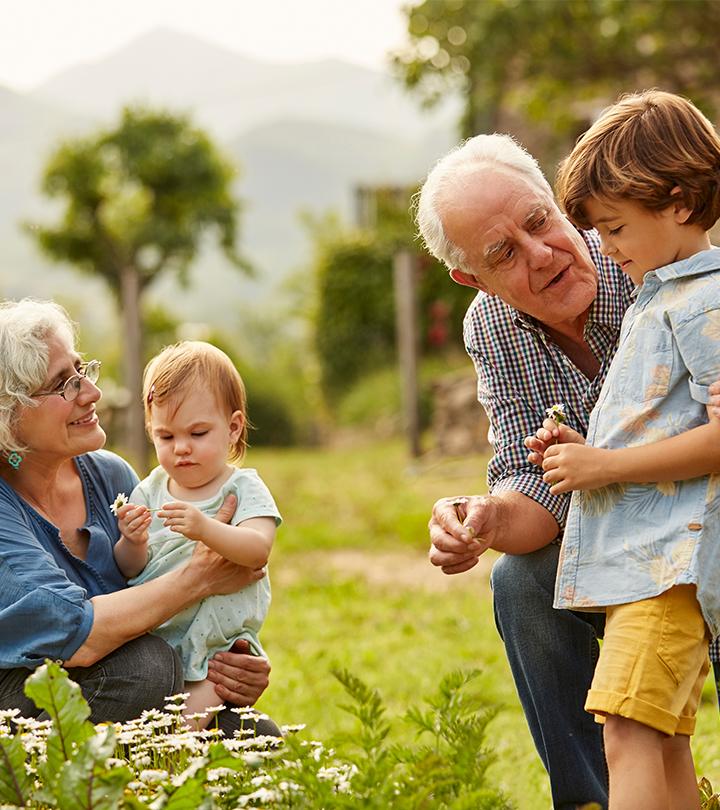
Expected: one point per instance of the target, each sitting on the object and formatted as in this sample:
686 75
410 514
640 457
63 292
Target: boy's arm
248 543
687 455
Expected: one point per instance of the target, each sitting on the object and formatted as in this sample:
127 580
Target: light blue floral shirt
628 542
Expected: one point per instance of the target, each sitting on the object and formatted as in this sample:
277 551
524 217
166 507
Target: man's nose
539 253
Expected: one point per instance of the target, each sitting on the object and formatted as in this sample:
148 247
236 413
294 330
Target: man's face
519 245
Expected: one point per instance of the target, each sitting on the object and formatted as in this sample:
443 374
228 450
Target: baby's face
192 438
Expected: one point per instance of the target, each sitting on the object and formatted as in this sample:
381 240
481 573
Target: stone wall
459 426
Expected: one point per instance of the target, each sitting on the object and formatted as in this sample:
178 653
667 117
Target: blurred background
242 172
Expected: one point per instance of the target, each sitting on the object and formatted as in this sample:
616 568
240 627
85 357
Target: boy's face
192 438
640 240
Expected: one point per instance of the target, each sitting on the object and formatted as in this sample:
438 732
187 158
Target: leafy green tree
138 200
556 62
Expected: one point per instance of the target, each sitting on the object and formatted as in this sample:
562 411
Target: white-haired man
542 330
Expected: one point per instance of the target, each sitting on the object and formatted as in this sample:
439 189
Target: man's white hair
25 328
499 151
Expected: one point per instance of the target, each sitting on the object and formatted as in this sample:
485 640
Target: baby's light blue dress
215 623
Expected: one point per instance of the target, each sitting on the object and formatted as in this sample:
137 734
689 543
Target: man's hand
576 466
713 406
239 678
133 522
549 434
459 532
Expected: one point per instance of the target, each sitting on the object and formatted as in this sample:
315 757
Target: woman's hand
239 678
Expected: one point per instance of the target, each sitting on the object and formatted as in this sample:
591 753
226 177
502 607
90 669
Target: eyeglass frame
89 371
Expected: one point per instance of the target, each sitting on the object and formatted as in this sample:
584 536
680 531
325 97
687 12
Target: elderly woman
61 594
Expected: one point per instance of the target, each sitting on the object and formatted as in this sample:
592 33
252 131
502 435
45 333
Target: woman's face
55 428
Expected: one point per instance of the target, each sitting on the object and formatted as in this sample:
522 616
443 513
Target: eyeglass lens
73 384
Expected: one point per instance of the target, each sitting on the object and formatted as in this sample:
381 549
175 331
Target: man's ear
680 210
468 280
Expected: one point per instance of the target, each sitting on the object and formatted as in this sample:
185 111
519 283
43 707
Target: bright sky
41 37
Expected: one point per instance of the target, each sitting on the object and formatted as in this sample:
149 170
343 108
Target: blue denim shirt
627 542
45 590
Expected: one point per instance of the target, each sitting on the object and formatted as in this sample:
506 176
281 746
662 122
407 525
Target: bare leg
636 764
680 775
202 695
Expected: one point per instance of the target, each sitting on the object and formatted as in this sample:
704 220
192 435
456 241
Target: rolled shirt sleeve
512 419
43 614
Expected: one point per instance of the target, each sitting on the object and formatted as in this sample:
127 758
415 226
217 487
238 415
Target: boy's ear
468 280
680 210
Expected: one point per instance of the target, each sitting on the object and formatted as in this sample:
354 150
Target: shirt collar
696 265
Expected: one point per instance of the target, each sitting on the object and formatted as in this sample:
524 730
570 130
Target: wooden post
406 327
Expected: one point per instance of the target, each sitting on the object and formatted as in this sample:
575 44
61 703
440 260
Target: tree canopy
138 200
556 62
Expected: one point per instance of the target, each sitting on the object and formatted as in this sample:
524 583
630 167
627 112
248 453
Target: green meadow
352 589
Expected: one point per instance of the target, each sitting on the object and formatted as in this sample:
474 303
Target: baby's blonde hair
640 149
194 364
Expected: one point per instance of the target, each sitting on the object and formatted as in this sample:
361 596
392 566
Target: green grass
352 589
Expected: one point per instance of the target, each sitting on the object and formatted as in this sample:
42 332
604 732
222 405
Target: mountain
231 94
304 136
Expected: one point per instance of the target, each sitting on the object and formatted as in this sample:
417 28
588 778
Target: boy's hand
575 466
184 518
133 522
549 434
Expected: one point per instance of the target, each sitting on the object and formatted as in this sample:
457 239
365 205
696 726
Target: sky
39 38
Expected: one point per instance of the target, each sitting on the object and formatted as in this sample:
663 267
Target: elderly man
542 330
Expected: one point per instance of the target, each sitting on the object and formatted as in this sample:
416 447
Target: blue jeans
552 655
137 676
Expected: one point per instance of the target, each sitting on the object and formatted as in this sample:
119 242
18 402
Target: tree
138 201
557 62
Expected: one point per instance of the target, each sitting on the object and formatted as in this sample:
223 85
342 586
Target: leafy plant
152 763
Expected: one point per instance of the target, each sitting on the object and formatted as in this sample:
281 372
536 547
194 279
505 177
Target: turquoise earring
14 460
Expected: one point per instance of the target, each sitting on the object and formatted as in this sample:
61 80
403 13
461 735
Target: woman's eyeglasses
69 389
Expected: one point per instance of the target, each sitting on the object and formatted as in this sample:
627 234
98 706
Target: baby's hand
183 518
133 522
549 434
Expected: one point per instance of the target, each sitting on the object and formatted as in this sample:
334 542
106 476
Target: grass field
352 588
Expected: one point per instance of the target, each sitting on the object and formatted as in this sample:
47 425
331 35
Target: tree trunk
135 443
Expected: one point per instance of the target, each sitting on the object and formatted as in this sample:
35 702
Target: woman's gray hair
25 328
483 150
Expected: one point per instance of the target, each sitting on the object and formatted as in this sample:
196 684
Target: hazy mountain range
304 136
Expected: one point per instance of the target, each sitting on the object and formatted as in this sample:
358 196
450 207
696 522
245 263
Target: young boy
645 175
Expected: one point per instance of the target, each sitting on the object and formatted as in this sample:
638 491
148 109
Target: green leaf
85 782
51 689
15 782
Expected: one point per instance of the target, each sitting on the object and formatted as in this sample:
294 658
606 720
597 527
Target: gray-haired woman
61 595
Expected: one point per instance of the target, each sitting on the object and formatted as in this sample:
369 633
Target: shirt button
694 527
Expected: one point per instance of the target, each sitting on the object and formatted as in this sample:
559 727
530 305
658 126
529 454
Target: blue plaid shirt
521 372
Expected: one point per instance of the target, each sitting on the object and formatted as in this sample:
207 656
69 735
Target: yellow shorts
653 662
